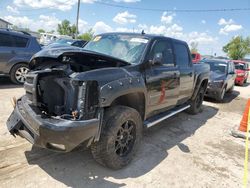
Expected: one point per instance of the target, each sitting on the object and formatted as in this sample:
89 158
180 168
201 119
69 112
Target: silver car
16 50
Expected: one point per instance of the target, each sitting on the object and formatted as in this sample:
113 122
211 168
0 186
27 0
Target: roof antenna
142 32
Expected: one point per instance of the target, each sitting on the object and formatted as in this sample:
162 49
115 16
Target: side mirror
158 59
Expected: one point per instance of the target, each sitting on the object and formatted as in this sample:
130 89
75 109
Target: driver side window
163 47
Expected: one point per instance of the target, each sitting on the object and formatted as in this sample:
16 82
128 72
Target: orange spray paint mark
163 92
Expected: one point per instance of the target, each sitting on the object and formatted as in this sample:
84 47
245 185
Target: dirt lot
184 151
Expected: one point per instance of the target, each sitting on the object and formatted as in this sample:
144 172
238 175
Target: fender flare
198 83
112 90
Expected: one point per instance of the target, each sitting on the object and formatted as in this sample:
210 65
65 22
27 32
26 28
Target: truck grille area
54 93
30 87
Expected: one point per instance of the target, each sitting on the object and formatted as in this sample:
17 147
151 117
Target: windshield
126 47
240 66
218 67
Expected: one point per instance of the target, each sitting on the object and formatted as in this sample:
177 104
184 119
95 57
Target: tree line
66 28
237 48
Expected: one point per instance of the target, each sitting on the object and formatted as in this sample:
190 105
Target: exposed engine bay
57 91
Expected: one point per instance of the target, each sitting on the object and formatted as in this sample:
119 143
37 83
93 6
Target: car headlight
241 74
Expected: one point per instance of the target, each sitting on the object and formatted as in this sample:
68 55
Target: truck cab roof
147 36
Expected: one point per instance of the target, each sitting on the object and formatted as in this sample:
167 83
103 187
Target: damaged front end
57 95
60 110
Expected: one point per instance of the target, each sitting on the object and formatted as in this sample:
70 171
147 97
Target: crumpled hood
216 76
57 53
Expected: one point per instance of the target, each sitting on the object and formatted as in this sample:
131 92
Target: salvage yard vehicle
196 57
105 94
67 42
221 79
16 50
242 69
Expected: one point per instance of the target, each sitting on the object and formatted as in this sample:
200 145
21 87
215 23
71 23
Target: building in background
5 24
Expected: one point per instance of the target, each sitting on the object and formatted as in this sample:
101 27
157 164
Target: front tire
18 73
220 98
121 133
231 89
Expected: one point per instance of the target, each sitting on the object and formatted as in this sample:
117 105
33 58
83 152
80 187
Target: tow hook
75 114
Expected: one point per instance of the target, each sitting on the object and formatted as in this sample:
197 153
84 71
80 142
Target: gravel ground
183 151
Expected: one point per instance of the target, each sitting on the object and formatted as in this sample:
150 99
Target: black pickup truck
105 94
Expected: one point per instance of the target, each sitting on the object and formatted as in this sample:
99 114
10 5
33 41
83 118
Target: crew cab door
162 80
185 66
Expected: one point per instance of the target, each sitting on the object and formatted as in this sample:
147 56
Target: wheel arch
17 63
129 91
132 100
200 83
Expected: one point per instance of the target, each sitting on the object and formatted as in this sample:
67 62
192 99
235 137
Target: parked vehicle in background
16 50
196 57
67 42
48 38
106 93
242 71
222 77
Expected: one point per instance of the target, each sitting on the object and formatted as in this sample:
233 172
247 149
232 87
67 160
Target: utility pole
77 18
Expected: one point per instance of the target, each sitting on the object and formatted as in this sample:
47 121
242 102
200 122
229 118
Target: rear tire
121 134
18 73
245 81
196 103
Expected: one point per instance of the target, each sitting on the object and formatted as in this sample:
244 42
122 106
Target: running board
155 120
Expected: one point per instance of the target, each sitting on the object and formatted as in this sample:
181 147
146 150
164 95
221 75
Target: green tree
194 47
65 28
88 35
238 47
41 31
52 32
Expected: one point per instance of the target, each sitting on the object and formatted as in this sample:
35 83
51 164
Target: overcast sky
211 30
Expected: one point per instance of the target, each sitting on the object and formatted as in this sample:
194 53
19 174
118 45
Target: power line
173 10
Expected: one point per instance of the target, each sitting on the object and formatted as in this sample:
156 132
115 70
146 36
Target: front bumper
51 133
240 80
213 91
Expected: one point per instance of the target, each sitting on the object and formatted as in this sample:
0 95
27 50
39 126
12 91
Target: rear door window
20 42
5 40
181 55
